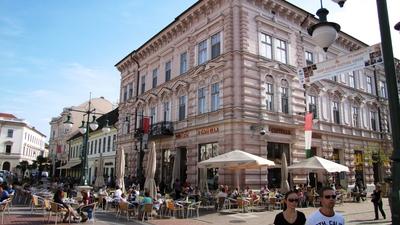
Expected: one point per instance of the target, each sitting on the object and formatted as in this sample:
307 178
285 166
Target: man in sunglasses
326 214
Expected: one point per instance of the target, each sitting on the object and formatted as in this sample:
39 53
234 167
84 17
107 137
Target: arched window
6 166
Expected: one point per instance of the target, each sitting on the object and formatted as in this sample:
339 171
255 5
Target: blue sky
53 52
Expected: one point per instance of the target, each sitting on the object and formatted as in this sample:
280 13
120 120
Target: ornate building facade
225 70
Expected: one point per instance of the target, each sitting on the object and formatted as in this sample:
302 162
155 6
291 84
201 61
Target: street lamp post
140 131
85 130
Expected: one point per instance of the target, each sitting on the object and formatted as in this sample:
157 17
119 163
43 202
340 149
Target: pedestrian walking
377 200
290 216
326 213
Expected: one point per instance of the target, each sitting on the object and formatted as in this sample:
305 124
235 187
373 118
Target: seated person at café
10 189
86 200
58 196
103 193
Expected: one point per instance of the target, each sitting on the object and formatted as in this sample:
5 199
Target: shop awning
70 164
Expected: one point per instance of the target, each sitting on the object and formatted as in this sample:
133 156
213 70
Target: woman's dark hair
147 194
289 193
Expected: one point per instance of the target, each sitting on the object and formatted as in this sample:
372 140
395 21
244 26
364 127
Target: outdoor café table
185 203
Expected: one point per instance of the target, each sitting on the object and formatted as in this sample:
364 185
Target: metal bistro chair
124 208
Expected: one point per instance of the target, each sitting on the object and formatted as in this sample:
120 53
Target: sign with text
355 60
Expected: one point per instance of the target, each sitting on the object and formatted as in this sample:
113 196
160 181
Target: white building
19 141
59 135
101 148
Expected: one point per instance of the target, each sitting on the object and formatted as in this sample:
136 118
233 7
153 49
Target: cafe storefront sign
207 130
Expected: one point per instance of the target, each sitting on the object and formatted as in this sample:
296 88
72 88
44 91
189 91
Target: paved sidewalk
355 214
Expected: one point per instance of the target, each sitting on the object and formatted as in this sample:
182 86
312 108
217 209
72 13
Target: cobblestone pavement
355 214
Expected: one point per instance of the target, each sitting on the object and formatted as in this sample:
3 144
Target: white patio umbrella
99 182
121 170
284 175
176 169
316 164
150 183
236 160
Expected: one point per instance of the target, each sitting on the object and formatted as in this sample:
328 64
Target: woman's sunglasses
293 199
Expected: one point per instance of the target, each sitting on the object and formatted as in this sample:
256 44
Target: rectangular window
207 151
269 96
285 99
99 145
352 81
155 75
143 85
215 46
95 147
280 51
214 97
8 149
373 120
108 143
183 65
168 71
309 58
202 100
114 140
354 115
125 93
91 147
335 111
266 46
312 105
153 115
182 108
167 112
369 84
382 85
202 52
130 91
10 133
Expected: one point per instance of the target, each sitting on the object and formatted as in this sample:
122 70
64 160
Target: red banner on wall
146 124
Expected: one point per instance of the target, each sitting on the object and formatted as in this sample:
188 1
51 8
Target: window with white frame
167 111
285 96
167 71
355 115
202 100
8 148
336 112
215 46
309 58
155 75
214 97
312 105
373 120
153 115
352 80
10 133
202 52
143 84
280 51
182 108
183 63
269 95
266 46
369 84
382 86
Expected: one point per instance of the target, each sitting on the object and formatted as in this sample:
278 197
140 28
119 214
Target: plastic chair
174 208
36 203
194 207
